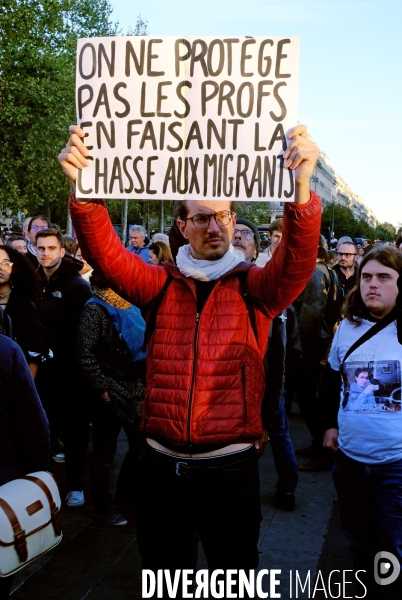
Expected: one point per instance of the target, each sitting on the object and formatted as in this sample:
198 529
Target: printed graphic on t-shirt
372 387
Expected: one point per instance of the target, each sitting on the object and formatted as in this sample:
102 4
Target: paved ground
100 562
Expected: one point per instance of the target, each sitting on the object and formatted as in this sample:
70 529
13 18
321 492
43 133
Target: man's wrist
302 192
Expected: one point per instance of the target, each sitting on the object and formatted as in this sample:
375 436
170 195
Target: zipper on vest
190 403
243 381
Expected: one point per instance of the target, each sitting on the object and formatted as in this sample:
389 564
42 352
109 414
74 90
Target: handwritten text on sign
187 118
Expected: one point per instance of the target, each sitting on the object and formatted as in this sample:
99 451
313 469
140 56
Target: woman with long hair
19 292
159 252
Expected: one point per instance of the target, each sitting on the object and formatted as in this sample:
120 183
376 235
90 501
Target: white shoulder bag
30 522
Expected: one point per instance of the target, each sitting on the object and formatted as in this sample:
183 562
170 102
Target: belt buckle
181 469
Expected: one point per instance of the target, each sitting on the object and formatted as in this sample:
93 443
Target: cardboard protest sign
187 118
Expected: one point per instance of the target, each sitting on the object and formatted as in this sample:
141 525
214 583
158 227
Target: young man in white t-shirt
366 435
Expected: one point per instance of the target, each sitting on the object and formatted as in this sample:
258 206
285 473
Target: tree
142 212
385 232
346 224
343 219
37 89
256 212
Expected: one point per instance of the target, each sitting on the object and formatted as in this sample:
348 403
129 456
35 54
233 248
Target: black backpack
336 297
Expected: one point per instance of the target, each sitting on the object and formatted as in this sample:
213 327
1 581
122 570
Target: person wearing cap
247 239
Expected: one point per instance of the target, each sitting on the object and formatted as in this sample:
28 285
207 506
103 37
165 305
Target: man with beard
205 374
346 269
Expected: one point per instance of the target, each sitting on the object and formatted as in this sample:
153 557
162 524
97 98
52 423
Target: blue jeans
282 451
370 504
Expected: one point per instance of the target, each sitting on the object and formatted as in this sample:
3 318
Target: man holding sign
205 377
209 318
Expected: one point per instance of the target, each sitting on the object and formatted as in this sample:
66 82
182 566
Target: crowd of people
197 343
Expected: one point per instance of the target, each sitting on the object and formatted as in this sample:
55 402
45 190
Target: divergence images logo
386 568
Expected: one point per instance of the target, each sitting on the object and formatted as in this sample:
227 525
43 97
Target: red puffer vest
205 373
206 378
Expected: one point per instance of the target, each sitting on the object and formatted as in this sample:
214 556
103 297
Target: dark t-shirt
346 283
204 288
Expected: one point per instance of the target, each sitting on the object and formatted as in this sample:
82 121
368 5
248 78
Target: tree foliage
257 212
37 95
142 212
342 220
385 232
345 224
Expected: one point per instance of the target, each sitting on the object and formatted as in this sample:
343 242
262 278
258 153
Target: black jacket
347 284
98 345
63 297
27 327
284 351
24 430
310 309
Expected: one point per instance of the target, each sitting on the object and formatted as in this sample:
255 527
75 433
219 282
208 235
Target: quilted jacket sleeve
285 276
126 272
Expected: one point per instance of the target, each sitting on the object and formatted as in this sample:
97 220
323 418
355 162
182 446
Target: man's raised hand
300 156
73 156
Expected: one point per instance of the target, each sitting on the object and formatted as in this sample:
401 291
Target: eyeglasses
245 233
202 221
346 254
6 265
39 227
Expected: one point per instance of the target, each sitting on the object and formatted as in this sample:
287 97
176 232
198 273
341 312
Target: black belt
226 467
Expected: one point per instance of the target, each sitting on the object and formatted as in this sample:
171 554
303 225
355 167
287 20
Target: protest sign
187 118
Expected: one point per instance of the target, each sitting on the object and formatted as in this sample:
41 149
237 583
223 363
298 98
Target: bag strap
151 321
371 332
20 542
54 510
251 304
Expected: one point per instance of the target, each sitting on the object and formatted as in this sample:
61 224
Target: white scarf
207 270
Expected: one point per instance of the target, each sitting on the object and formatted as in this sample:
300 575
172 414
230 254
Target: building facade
332 189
